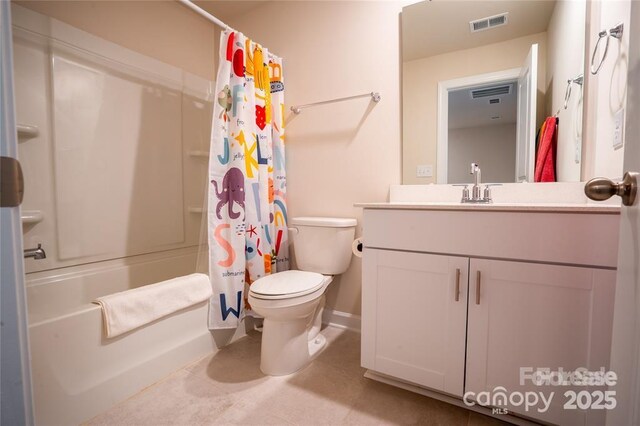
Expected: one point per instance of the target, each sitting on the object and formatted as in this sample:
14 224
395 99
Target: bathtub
77 372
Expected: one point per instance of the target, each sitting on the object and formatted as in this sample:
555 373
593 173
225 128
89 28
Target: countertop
496 207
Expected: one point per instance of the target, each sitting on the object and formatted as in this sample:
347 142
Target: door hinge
11 182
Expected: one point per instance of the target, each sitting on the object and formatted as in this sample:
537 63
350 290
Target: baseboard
383 378
341 320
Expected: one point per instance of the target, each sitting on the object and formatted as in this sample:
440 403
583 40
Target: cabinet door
413 322
539 316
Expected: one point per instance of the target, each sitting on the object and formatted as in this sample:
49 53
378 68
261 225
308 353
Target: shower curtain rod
204 13
200 11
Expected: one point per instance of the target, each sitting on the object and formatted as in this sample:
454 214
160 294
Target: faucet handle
487 190
465 191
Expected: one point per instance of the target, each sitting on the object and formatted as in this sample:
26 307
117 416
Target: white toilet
291 302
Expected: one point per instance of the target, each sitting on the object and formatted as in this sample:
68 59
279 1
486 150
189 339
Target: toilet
291 302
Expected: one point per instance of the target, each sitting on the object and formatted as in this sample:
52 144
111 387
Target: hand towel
127 310
545 170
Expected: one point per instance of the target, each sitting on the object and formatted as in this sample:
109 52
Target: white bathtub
77 372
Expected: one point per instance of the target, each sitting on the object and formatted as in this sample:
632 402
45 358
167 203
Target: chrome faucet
36 253
475 189
476 196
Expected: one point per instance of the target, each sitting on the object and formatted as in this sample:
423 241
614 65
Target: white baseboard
341 320
447 398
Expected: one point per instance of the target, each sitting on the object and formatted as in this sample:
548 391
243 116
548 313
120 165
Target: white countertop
497 207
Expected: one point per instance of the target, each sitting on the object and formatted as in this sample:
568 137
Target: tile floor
228 388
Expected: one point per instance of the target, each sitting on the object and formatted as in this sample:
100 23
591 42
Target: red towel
546 156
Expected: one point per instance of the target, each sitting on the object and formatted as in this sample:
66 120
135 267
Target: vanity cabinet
417 317
539 316
456 312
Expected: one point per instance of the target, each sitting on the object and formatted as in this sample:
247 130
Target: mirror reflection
498 83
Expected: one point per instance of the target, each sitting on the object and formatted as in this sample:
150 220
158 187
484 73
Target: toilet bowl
292 302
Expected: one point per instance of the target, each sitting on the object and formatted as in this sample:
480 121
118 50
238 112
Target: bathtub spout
36 253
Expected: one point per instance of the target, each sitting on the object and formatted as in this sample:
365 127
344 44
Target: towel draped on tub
127 310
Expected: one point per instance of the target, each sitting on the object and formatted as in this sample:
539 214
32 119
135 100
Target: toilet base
316 345
289 346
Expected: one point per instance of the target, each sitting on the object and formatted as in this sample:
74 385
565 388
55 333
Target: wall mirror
479 80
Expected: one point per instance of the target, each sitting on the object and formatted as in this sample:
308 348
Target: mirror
480 78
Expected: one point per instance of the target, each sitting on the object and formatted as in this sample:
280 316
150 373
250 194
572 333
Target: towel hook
615 32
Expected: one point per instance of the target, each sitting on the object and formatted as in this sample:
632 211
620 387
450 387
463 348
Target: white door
14 345
527 315
414 317
625 353
526 123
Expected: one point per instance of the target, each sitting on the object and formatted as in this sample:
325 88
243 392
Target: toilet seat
287 285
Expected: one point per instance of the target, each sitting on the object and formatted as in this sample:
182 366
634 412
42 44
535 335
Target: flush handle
600 189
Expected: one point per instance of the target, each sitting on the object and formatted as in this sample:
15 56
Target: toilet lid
287 283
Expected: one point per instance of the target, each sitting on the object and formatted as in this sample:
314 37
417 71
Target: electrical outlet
618 129
424 170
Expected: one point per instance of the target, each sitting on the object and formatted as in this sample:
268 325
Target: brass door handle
600 189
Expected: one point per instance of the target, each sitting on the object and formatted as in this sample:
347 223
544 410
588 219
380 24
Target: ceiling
464 111
435 27
227 10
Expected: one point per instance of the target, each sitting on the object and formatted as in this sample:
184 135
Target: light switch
424 170
618 129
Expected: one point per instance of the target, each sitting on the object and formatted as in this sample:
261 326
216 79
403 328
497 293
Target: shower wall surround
116 169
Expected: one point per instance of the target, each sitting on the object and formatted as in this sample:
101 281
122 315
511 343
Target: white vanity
457 298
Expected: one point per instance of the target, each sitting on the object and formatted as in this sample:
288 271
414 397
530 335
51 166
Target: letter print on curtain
247 213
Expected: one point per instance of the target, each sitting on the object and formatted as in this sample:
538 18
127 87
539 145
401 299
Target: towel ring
615 32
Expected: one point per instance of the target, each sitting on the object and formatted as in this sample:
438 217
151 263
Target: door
527 315
625 351
526 123
414 317
14 345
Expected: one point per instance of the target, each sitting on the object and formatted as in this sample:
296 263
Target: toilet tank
323 244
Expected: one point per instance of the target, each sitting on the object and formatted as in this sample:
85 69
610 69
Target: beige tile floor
228 388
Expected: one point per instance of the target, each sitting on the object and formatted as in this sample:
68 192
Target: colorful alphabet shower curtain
247 214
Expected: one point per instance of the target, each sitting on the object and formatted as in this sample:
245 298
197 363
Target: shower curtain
247 214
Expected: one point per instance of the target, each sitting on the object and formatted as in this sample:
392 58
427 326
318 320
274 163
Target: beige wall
164 30
420 91
493 147
346 152
606 92
565 60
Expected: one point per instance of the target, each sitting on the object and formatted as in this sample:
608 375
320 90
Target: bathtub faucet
36 253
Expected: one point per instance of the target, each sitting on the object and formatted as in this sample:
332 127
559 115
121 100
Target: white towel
127 310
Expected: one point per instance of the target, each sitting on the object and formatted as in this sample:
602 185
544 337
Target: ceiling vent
485 92
488 22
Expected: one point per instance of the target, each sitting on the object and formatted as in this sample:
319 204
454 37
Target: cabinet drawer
571 238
